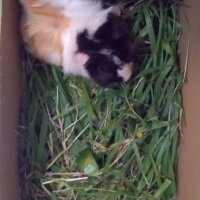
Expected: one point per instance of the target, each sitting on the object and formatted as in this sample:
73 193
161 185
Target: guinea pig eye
105 51
116 60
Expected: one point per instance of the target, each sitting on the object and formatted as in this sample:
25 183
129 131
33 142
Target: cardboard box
9 98
189 156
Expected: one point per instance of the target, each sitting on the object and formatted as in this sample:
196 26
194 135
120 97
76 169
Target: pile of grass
80 141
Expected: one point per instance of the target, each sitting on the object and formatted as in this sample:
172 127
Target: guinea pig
81 36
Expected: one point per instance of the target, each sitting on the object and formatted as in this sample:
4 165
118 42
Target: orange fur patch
42 31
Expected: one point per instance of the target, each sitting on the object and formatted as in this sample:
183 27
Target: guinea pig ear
81 58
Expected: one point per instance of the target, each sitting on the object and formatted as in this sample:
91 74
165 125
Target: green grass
80 141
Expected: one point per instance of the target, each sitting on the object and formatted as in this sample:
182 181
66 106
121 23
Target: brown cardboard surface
189 156
9 100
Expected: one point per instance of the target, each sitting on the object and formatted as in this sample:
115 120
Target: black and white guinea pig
81 36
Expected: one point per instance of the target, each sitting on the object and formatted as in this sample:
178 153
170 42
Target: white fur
54 58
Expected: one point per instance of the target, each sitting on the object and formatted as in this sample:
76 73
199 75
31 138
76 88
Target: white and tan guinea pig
81 36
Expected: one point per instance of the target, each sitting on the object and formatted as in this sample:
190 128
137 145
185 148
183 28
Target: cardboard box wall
9 98
189 152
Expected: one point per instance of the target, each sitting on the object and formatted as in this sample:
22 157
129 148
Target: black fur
115 35
102 70
85 43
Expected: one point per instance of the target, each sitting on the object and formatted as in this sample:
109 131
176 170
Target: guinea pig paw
81 58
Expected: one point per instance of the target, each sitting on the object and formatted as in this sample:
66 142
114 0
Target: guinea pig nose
130 65
126 71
